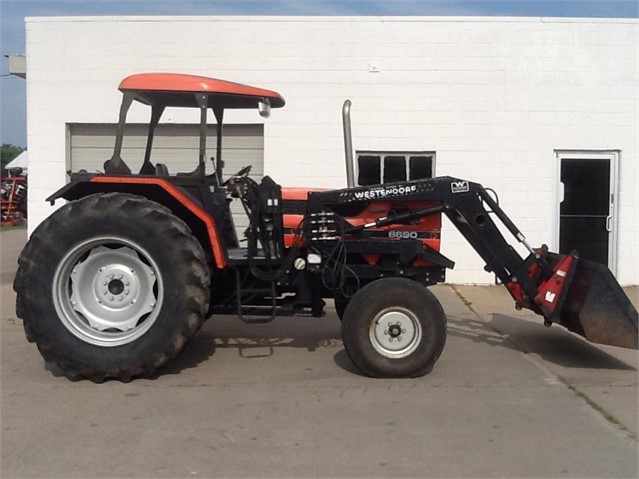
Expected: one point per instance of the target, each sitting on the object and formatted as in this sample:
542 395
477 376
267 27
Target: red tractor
118 280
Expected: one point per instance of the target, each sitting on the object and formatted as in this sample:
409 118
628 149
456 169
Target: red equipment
13 200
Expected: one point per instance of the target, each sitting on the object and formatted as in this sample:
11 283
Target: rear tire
112 286
394 327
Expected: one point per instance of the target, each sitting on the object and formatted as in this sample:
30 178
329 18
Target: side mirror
264 107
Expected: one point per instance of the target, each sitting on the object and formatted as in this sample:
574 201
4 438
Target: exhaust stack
348 143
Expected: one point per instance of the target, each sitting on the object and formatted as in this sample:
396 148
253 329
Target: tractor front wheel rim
395 332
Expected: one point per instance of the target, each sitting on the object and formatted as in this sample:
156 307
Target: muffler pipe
348 143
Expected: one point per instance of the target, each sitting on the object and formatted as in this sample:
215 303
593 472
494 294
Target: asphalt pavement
508 398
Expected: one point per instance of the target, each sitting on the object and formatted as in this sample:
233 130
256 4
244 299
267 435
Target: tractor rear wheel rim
395 332
107 291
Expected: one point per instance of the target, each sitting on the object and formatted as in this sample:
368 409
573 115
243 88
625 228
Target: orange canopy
176 89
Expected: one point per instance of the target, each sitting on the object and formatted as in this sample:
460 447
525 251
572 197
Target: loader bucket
597 308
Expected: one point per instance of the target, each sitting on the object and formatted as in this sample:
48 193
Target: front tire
394 327
112 286
340 303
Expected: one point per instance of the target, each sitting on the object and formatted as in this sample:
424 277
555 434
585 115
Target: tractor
116 282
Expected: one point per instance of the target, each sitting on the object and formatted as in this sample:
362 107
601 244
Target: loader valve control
323 226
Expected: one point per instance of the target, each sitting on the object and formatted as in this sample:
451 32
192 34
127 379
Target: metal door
587 205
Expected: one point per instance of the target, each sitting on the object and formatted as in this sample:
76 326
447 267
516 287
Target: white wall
494 97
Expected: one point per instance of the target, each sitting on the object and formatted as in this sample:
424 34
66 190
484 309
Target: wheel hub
116 286
395 330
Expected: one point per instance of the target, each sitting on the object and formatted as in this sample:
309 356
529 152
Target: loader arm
462 201
466 208
580 295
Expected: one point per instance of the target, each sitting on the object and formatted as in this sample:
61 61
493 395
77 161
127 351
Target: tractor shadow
554 345
343 361
253 341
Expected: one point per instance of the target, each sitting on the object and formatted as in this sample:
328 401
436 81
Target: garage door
177 146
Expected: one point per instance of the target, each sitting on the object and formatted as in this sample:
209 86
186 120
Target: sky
13 12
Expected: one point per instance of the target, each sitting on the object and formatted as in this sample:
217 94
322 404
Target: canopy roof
176 89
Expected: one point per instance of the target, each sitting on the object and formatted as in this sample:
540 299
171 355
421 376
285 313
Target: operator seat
113 168
161 170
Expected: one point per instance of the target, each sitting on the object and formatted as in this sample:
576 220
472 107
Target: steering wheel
243 172
235 182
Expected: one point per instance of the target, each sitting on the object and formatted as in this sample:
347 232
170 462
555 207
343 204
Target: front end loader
117 281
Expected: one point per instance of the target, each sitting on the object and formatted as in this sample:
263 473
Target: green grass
16 227
609 417
467 302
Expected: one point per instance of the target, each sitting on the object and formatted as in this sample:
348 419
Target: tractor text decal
384 192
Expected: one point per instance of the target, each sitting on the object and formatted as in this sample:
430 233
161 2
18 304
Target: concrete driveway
508 398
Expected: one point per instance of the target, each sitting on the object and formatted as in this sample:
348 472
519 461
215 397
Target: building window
374 168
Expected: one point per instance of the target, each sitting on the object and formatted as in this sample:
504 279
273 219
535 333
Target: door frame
613 200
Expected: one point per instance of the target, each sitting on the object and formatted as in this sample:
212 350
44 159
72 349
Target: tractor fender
161 191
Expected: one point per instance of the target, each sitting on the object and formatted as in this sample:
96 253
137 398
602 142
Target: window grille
374 168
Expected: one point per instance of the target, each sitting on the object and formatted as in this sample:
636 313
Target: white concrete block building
543 110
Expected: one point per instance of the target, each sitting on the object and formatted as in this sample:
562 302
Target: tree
9 152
